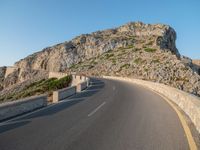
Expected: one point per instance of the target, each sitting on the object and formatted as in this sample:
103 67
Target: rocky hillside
62 56
146 51
44 86
143 63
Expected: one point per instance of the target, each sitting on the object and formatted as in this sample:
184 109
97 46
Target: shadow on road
94 87
12 125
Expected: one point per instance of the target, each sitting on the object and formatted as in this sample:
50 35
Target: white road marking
113 88
96 109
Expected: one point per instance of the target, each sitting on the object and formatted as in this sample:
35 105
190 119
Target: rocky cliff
196 66
62 56
146 51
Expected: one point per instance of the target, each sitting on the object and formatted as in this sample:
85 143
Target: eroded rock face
146 51
153 65
62 56
196 65
2 72
2 75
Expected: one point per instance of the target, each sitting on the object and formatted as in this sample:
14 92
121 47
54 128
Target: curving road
109 115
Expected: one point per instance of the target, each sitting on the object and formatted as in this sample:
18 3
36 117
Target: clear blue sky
27 26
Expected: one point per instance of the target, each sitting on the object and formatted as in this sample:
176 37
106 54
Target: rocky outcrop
62 56
196 62
196 66
143 63
18 80
139 50
2 75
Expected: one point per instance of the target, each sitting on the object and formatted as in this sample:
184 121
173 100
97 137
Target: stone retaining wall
190 104
81 86
79 83
76 79
15 108
63 93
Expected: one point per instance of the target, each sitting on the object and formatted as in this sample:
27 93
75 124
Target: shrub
150 43
40 87
125 66
138 60
150 50
155 61
90 67
107 55
130 46
114 61
136 49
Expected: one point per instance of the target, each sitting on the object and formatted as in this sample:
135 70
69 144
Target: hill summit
145 51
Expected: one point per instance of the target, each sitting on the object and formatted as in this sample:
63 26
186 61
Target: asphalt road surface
109 115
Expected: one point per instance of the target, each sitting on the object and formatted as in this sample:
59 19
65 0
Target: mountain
145 51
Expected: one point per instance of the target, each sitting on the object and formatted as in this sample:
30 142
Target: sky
28 26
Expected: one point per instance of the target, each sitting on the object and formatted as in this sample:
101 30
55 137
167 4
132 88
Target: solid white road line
96 109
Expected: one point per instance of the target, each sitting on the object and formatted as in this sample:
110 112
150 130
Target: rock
159 66
2 75
145 51
196 66
2 72
62 56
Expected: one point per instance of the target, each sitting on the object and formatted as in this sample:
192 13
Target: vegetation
90 67
150 50
73 66
155 61
127 47
138 60
114 61
136 49
93 62
150 43
44 86
130 46
125 66
107 55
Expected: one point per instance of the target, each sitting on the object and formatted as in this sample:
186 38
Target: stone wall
63 93
15 108
79 83
57 75
76 79
196 66
81 86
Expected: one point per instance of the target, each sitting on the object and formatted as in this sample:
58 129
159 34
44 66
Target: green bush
138 60
59 83
125 66
130 46
150 50
150 43
155 61
108 55
40 87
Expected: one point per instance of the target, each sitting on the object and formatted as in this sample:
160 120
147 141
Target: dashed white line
96 109
114 88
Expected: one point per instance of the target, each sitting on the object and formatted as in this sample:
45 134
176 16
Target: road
109 115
